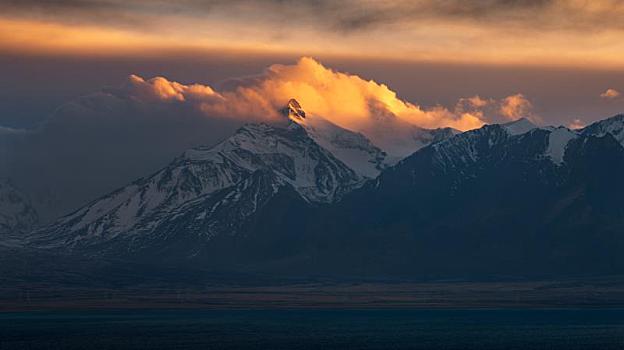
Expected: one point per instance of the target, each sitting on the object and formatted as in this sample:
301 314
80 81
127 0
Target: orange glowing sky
530 32
563 57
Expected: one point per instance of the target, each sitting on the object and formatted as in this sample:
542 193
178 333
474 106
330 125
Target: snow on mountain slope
389 141
286 152
557 142
613 126
16 213
468 146
519 127
352 148
225 211
558 138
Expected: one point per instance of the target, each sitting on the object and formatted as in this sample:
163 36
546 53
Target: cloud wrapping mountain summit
101 141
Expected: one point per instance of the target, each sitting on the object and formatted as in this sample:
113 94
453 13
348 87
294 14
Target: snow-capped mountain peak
518 127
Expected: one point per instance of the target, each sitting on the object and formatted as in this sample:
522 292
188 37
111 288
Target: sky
95 93
536 32
563 55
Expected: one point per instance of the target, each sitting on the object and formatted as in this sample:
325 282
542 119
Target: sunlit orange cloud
32 36
577 124
344 99
36 37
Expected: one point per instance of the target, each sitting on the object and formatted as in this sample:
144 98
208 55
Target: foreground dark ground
315 329
48 303
36 281
589 293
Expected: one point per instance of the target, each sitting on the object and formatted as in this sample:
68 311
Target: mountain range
494 201
306 196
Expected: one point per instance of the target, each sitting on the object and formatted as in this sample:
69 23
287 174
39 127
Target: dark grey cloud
372 16
346 16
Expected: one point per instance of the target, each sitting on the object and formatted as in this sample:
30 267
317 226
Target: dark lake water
314 329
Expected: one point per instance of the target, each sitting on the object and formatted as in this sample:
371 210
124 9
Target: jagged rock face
293 110
17 216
